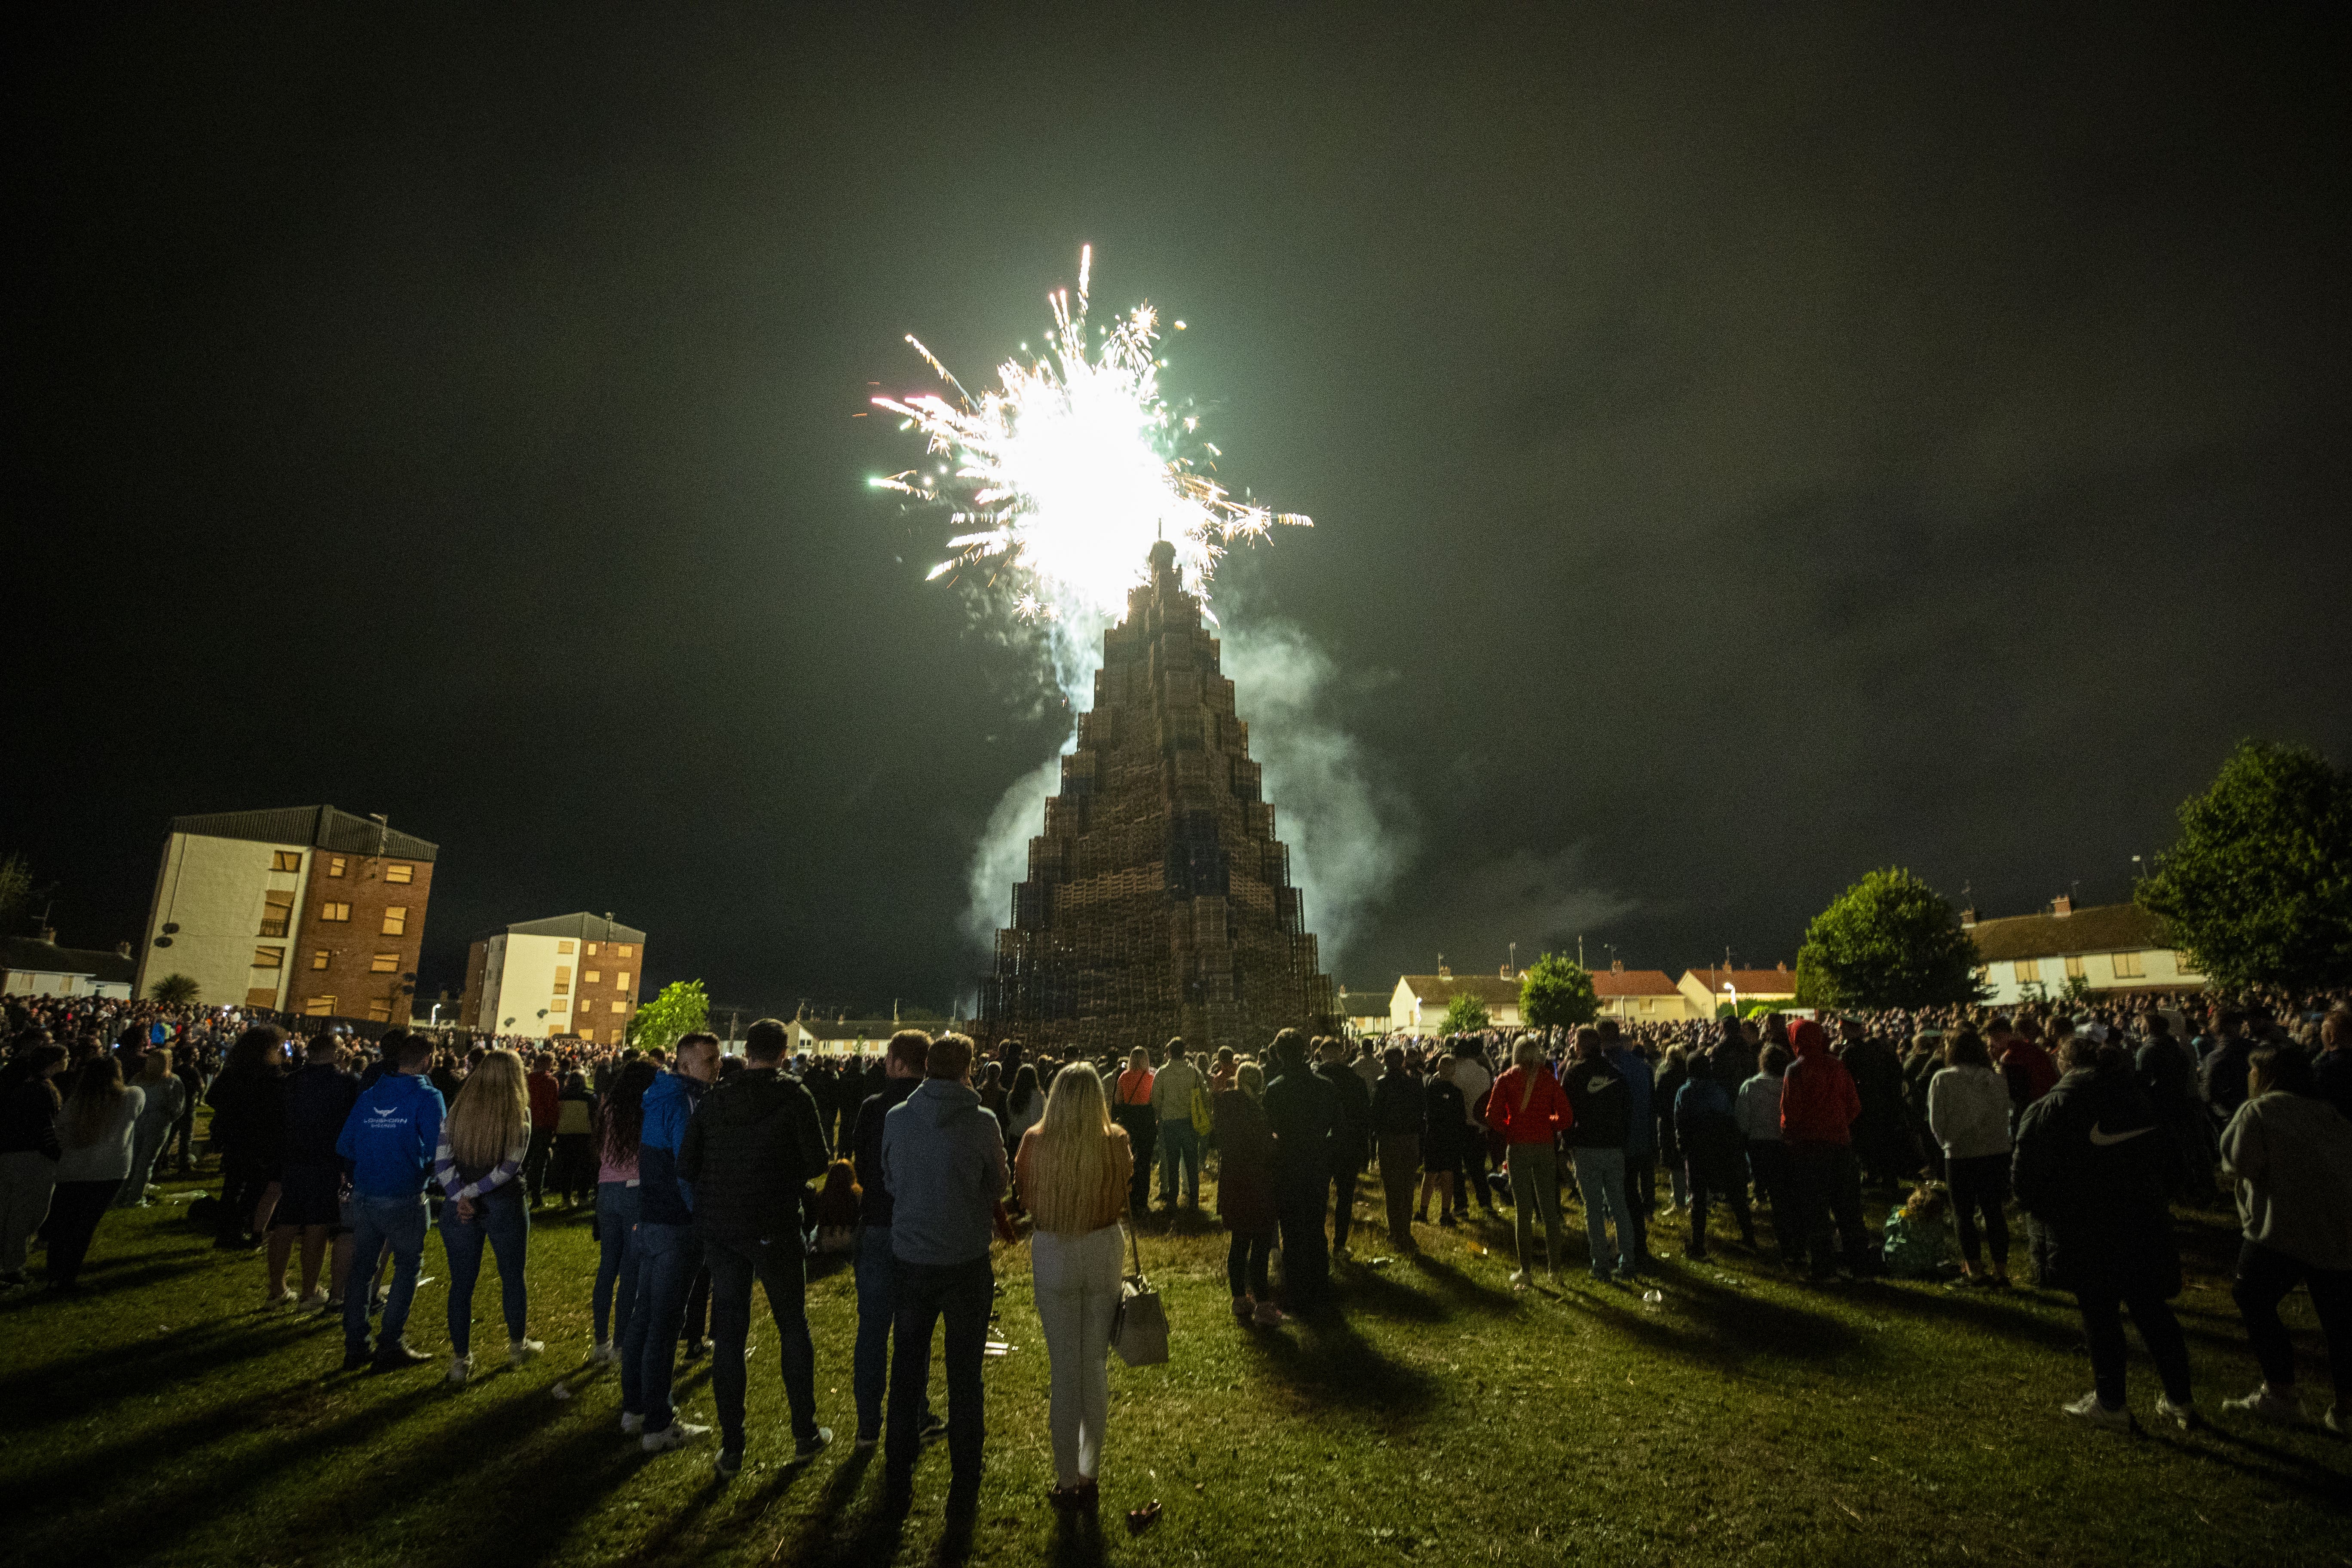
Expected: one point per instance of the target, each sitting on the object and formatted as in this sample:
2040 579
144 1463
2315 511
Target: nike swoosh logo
2103 1139
1595 1085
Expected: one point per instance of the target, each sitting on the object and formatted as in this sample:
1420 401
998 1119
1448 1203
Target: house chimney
1505 974
1444 973
2062 905
1968 918
1616 966
1784 966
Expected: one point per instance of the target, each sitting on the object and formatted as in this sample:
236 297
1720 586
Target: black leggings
2159 1330
2264 1277
75 1209
1245 1262
1980 1185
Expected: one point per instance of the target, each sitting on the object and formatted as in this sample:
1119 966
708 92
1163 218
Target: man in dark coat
1351 1137
2094 1166
1302 1110
2167 1076
1882 1133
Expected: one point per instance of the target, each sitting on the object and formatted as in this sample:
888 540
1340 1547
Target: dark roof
592 928
2104 928
24 953
1364 1003
322 825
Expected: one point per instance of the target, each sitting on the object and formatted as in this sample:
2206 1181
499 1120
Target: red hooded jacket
1547 1112
1818 1100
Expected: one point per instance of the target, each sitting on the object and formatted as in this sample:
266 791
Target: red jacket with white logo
1817 1100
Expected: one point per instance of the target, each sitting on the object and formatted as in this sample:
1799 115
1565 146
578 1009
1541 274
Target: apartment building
578 975
306 909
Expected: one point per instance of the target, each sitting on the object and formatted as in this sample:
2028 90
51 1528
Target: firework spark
1065 473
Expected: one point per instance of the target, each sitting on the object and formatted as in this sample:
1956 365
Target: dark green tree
16 893
1556 991
2258 887
1889 941
175 989
1465 1014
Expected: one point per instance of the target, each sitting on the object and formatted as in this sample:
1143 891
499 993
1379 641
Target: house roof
1747 981
25 954
2103 928
1492 989
1609 983
1364 1003
591 928
322 825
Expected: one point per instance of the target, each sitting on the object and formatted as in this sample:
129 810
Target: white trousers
1076 1279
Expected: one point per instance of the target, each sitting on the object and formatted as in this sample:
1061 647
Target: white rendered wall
212 889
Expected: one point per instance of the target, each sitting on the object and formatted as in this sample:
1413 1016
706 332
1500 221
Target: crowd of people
708 1170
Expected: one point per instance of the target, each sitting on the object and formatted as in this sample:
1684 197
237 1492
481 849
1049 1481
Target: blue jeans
782 1269
503 1219
1600 1173
1180 1146
617 1259
962 1293
668 1256
877 1301
377 1223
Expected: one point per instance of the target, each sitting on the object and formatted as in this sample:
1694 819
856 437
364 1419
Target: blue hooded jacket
1641 1126
665 1197
389 1135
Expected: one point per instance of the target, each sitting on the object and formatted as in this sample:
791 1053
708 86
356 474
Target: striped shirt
445 1171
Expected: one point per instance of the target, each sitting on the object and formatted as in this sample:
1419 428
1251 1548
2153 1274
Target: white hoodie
1968 1109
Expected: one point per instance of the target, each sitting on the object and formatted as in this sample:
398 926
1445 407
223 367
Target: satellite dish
170 928
164 940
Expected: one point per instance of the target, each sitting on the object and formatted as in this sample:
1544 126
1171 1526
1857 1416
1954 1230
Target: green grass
165 1416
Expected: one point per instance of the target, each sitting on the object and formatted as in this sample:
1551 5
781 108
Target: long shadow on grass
70 1390
2268 1462
1327 1362
1738 1325
1462 1290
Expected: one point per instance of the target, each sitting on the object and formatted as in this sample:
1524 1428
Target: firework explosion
1062 476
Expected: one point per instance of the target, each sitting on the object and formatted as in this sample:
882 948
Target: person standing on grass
1819 1104
944 1160
1471 1075
319 1100
389 1139
1134 1113
1640 1118
1442 1128
1073 1168
163 1100
750 1152
1399 1108
546 1111
1173 1088
248 1105
2095 1168
1352 1138
1245 1194
1967 1111
620 1119
94 1136
1301 1108
1714 1154
1526 1108
478 1163
903 1062
670 1256
1596 1140
2290 1154
1757 1107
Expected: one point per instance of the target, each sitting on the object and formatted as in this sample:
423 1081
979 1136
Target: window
261 997
589 1036
624 950
564 948
2074 969
276 913
561 1004
400 871
379 1012
562 978
592 950
332 910
592 976
319 959
2127 965
384 963
335 864
268 958
320 1006
620 1006
2029 970
286 860
2183 962
396 921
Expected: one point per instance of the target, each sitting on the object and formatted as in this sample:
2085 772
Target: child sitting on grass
1918 1242
835 1210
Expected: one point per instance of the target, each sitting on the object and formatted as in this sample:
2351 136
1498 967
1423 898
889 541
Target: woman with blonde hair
484 1141
1073 1168
94 1136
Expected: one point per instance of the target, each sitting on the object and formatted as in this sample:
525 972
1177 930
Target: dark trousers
1768 1161
1473 1171
534 1161
243 1181
1298 1197
1400 1163
1826 1187
503 1220
1701 1192
75 1209
1143 1137
1344 1172
961 1293
2264 1277
782 1269
1979 1186
1246 1260
180 1142
1642 1182
669 1256
2159 1330
694 1328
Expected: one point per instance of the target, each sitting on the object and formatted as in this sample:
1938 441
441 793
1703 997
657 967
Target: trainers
2089 1408
358 1359
606 1351
1267 1316
1519 1279
729 1461
278 1298
697 1349
461 1367
396 1357
931 1429
520 1350
1242 1307
676 1435
866 1440
2267 1406
631 1424
2183 1416
315 1301
810 1449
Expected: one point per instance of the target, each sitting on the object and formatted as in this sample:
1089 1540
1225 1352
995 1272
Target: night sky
1744 450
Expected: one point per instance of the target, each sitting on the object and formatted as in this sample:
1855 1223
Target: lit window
589 1036
261 997
286 860
335 864
561 1004
276 913
379 1012
562 978
2074 969
592 976
334 912
320 1006
400 871
2127 965
622 983
319 959
384 963
592 950
268 958
624 950
2029 970
396 921
564 948
620 1006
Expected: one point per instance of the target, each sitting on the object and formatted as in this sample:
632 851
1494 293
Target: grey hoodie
943 1164
2291 1157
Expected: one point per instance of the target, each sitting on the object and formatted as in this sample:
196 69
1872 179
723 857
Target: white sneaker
2266 1405
316 1299
2089 1408
631 1424
676 1435
1519 1279
2182 1415
520 1350
606 1351
461 1367
277 1298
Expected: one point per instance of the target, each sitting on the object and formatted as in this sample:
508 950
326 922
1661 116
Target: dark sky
1744 450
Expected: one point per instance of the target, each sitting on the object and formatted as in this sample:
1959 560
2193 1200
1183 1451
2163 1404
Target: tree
1465 1015
1889 941
175 989
682 1008
2258 887
1556 991
16 891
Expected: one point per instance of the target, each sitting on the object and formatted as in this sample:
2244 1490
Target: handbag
1203 1117
1138 1331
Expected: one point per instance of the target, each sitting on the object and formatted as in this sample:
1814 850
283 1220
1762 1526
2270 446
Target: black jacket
28 1120
249 1115
751 1150
1302 1109
319 1100
1351 1134
1398 1102
1596 1092
865 1139
2093 1165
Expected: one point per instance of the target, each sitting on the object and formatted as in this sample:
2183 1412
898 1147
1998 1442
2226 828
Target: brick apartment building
307 909
578 975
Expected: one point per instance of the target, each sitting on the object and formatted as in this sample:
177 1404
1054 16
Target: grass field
163 1415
